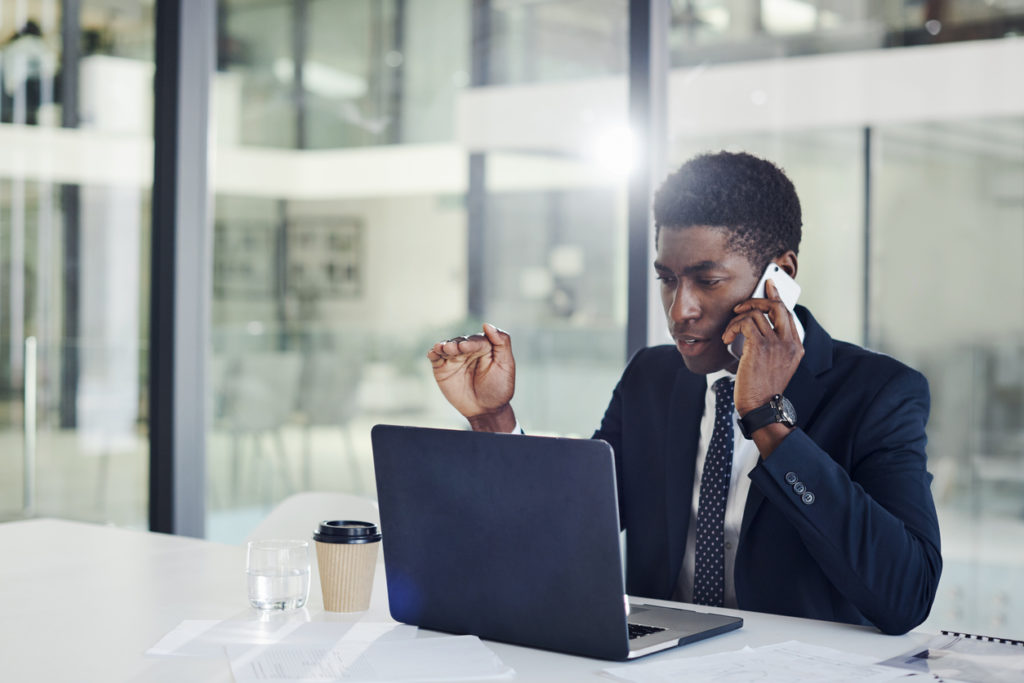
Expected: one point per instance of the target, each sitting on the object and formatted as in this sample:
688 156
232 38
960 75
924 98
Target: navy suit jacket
865 550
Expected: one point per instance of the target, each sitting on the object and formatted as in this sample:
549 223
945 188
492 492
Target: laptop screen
507 537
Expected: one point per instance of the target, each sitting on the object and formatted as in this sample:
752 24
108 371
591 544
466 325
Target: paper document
789 662
209 638
288 649
444 658
972 659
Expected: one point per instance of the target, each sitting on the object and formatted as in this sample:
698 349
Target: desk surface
83 603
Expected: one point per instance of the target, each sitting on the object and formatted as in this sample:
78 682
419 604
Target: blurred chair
999 480
258 399
298 515
330 388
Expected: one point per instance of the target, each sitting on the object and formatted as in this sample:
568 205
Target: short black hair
750 197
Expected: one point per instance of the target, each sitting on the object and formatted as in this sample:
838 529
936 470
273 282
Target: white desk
80 602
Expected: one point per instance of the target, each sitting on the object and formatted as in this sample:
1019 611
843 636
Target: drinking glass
278 574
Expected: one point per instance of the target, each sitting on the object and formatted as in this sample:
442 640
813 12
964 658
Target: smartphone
788 290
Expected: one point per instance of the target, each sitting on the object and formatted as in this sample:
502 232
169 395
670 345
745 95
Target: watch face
786 411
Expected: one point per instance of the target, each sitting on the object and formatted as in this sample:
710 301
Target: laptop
516 539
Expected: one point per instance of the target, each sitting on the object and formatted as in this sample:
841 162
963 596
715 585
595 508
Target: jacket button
791 478
799 487
807 498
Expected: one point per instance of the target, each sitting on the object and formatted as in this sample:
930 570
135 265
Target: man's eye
666 279
709 283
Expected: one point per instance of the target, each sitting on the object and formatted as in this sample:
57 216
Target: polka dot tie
709 562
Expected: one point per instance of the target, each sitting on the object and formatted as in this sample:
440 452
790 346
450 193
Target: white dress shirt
744 458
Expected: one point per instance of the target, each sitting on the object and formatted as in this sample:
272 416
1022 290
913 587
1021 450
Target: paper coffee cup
346 554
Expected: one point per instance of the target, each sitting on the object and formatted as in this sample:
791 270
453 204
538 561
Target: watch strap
770 413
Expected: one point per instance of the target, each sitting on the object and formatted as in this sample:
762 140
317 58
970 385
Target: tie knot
723 395
723 384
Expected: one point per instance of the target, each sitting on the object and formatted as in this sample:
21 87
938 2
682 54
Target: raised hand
477 374
771 355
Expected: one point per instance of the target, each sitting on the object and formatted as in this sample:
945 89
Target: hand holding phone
789 292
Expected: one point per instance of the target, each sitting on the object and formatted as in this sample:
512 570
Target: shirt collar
715 376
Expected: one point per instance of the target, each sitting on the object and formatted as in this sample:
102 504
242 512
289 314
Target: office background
385 173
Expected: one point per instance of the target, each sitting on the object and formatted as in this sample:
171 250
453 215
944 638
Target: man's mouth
685 338
688 344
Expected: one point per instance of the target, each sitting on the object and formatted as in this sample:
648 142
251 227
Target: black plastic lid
346 531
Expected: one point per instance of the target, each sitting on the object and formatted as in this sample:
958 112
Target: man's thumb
495 336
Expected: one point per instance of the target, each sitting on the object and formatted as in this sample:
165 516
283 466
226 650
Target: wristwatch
777 409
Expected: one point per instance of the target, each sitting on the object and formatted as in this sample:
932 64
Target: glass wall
910 167
362 213
75 178
720 31
948 275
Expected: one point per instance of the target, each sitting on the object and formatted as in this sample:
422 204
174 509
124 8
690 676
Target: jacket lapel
686 408
804 391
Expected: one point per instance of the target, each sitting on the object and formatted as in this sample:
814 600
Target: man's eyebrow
694 268
703 266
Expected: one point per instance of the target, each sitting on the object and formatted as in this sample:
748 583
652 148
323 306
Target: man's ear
787 262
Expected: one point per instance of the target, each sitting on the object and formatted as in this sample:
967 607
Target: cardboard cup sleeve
346 555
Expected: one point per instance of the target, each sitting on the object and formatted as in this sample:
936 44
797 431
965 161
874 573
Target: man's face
701 279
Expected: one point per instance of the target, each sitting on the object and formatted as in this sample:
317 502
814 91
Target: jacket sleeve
871 526
611 427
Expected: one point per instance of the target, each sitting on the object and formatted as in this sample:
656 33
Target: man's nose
685 305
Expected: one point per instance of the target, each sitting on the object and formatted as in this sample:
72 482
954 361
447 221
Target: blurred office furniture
329 398
257 399
997 439
976 452
28 68
298 515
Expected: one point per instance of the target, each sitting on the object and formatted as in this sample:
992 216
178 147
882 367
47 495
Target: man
826 514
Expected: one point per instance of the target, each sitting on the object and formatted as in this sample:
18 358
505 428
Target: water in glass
270 589
278 574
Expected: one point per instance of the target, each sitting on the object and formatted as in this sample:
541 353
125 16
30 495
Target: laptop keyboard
637 630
